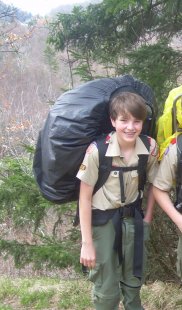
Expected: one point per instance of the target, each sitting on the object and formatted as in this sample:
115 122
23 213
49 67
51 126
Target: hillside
9 13
67 8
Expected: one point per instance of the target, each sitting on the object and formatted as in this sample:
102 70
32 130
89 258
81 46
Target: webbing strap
142 164
121 180
138 236
105 163
179 170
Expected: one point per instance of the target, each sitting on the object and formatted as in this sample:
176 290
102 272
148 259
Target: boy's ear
112 122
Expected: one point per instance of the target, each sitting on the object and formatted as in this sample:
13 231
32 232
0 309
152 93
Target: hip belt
100 217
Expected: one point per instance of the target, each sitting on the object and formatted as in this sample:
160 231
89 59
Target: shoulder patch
91 147
173 141
108 139
154 151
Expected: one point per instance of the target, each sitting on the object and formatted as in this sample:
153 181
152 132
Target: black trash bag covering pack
75 120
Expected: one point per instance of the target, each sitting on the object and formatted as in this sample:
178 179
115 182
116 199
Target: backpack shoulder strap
179 169
105 163
142 164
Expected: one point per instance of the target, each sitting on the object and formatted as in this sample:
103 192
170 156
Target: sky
41 7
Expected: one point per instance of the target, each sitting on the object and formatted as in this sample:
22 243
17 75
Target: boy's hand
147 219
88 255
179 222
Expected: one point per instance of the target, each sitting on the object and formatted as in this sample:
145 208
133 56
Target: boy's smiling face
127 127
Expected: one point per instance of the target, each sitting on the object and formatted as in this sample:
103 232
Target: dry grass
75 294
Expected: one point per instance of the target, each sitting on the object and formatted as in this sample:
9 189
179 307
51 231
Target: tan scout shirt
166 175
109 196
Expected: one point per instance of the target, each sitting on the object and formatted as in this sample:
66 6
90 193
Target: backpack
169 125
76 119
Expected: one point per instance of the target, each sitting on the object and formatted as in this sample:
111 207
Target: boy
109 217
165 181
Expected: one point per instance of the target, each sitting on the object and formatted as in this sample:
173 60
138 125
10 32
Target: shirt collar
114 148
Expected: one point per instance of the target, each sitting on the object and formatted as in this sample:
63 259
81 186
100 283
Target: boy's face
127 127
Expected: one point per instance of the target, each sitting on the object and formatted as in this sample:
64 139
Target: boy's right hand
179 222
88 255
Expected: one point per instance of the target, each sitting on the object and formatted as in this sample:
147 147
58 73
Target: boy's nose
130 125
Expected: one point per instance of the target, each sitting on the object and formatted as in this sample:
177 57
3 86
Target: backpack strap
179 173
105 163
142 164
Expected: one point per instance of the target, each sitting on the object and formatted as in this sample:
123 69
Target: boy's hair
127 102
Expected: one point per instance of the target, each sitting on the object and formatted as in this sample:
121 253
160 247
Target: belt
100 217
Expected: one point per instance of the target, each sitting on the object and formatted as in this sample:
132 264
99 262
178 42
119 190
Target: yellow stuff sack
165 130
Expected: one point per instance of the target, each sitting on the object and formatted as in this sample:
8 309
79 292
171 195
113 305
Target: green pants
113 282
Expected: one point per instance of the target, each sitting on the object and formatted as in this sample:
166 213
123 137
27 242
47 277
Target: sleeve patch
82 167
154 152
91 147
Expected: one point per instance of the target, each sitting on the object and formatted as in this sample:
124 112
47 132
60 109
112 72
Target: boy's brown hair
127 102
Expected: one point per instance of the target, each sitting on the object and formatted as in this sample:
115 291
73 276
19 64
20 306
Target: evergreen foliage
158 65
21 202
133 36
19 195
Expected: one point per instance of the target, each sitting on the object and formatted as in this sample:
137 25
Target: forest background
40 59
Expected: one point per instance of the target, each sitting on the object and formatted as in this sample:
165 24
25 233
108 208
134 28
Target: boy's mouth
130 133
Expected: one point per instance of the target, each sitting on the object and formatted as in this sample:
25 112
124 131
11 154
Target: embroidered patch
166 151
82 167
91 148
155 151
173 141
108 139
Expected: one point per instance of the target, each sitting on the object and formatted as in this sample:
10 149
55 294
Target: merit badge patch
82 167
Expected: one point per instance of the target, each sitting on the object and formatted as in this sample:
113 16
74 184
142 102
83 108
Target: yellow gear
166 130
